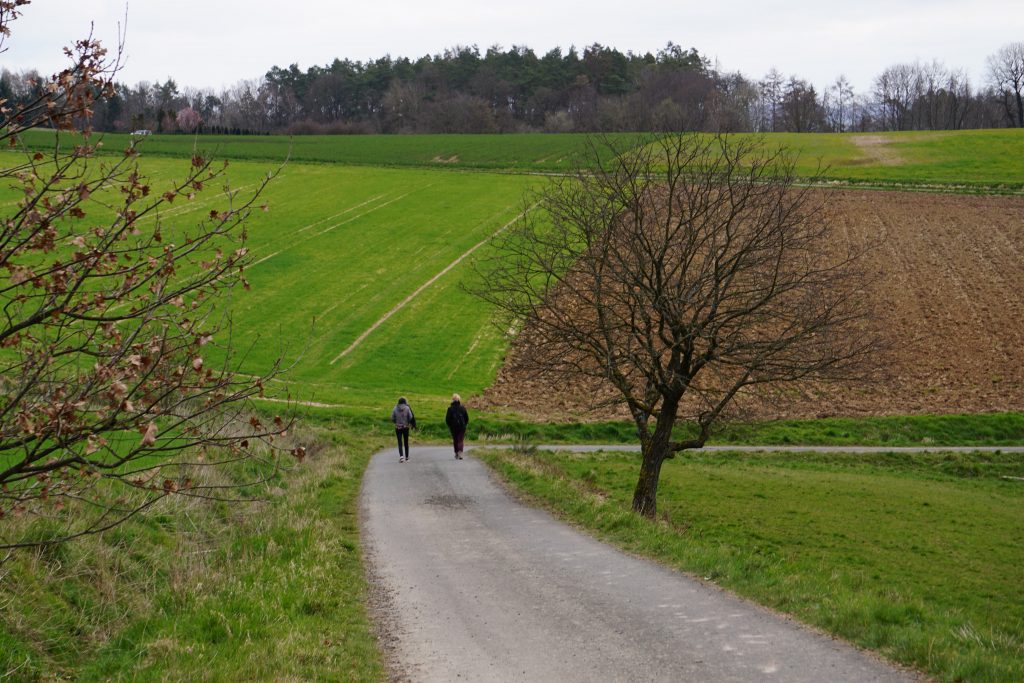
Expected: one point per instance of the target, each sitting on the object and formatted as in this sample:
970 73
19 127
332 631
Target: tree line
598 89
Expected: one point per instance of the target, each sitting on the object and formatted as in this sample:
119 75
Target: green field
338 250
529 152
972 160
916 557
921 559
200 590
379 219
344 247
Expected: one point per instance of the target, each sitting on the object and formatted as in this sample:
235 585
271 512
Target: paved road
473 586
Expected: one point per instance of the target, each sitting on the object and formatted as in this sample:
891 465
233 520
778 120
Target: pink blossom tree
188 120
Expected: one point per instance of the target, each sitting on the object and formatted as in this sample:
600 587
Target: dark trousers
403 435
458 437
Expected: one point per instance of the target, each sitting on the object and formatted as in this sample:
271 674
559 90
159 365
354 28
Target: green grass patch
342 248
526 152
986 429
917 558
205 590
968 160
983 429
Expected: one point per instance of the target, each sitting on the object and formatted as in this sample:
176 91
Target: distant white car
141 132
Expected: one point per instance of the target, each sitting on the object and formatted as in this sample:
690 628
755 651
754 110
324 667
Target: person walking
457 419
404 419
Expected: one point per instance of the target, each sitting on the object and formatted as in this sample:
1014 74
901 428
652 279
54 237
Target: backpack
458 419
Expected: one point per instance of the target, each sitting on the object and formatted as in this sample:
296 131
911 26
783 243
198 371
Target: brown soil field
949 296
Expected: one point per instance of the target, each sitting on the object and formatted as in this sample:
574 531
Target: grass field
341 248
917 557
206 591
531 152
972 160
920 558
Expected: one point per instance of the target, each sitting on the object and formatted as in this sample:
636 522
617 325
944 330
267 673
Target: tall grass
200 590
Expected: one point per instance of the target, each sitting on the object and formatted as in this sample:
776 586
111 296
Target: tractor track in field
404 302
332 227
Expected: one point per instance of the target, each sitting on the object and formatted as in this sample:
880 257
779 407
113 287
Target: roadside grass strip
206 591
920 559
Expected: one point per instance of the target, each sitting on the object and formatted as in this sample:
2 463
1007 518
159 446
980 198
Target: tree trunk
655 453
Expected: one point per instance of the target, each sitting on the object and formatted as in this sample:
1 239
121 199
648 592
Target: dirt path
877 149
474 586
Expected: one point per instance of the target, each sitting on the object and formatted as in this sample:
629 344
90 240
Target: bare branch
680 273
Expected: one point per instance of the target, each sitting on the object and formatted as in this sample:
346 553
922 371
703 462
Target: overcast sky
216 43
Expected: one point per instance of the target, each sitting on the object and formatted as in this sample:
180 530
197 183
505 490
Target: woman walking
457 418
403 418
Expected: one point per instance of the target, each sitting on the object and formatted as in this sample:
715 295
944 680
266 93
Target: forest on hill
598 89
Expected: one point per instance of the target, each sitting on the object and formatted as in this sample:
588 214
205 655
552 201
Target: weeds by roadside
205 590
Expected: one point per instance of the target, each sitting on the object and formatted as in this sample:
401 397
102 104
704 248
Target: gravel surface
471 585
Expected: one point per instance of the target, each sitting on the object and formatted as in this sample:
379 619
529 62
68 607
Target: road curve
475 586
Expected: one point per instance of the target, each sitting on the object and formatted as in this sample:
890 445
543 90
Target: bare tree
896 89
842 98
1006 72
683 273
110 327
771 94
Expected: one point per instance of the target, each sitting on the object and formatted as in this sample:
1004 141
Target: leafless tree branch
682 273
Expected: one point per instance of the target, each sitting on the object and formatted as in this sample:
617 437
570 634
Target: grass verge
206 591
920 559
988 429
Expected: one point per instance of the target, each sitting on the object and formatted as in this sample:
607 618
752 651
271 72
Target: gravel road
473 586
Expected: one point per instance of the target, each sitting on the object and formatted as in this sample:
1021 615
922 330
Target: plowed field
949 295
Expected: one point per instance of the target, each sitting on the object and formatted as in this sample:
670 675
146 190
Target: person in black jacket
457 418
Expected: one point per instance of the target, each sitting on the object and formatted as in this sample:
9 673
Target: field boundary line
402 304
310 404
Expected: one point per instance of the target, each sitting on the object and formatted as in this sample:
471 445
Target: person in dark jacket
457 419
403 418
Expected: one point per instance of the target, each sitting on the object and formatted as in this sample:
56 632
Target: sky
216 43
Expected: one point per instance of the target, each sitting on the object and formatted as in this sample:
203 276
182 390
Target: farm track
631 448
473 585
